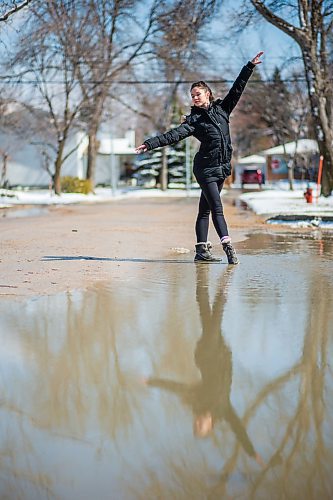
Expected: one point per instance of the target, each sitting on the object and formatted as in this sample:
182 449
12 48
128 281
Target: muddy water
187 382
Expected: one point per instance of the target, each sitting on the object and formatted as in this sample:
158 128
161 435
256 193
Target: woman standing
209 123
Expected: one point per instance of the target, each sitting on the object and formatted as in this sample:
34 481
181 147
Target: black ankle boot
203 254
230 252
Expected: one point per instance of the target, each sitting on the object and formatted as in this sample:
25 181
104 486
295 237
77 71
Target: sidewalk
279 201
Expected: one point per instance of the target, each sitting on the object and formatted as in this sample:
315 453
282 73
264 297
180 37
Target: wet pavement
178 382
30 211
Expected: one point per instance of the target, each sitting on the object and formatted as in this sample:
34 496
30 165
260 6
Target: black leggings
210 202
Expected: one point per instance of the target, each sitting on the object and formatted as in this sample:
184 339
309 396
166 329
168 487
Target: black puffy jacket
211 127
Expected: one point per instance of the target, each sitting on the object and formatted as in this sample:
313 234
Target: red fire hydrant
308 195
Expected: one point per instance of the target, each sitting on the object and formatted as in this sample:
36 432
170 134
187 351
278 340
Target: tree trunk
291 174
95 119
327 177
92 156
164 170
4 170
319 110
311 37
326 149
57 168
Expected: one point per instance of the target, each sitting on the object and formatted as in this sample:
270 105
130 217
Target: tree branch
296 33
303 9
15 9
73 150
131 108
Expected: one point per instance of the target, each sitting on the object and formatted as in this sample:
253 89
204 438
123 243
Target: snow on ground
275 199
9 198
278 200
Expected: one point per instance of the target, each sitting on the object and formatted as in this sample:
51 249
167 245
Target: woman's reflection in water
210 398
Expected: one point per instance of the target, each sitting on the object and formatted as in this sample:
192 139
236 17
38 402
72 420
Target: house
28 147
115 158
273 162
304 153
30 163
27 151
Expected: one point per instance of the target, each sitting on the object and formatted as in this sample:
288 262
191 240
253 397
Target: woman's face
200 97
203 425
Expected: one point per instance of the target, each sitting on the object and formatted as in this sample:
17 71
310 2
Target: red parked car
252 176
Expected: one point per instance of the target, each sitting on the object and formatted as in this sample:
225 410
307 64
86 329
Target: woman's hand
256 59
141 149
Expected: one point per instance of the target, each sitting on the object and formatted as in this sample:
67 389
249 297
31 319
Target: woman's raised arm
234 94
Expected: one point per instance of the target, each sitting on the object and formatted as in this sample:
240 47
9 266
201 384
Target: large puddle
188 382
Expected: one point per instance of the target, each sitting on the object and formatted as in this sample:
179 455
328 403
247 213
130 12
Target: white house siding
103 169
25 161
24 164
75 165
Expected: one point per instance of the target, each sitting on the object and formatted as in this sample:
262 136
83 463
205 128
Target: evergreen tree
176 153
149 165
147 168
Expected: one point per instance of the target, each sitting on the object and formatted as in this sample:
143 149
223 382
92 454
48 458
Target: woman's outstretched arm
233 96
170 137
179 388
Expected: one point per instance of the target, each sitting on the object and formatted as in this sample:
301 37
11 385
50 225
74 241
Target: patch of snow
11 198
180 250
280 201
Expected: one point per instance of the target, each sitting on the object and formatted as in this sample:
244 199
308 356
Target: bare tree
103 40
313 24
85 47
47 62
117 45
180 30
264 113
10 7
176 50
301 122
73 52
275 110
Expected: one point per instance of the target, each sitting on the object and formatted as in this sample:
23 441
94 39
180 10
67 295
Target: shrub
75 185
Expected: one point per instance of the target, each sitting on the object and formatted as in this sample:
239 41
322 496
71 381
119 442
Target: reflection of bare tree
81 378
302 444
299 453
76 381
88 367
209 399
26 476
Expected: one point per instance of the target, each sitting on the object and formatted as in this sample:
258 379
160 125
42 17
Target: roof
290 148
253 159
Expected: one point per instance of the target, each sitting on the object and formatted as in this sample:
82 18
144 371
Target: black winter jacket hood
211 127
